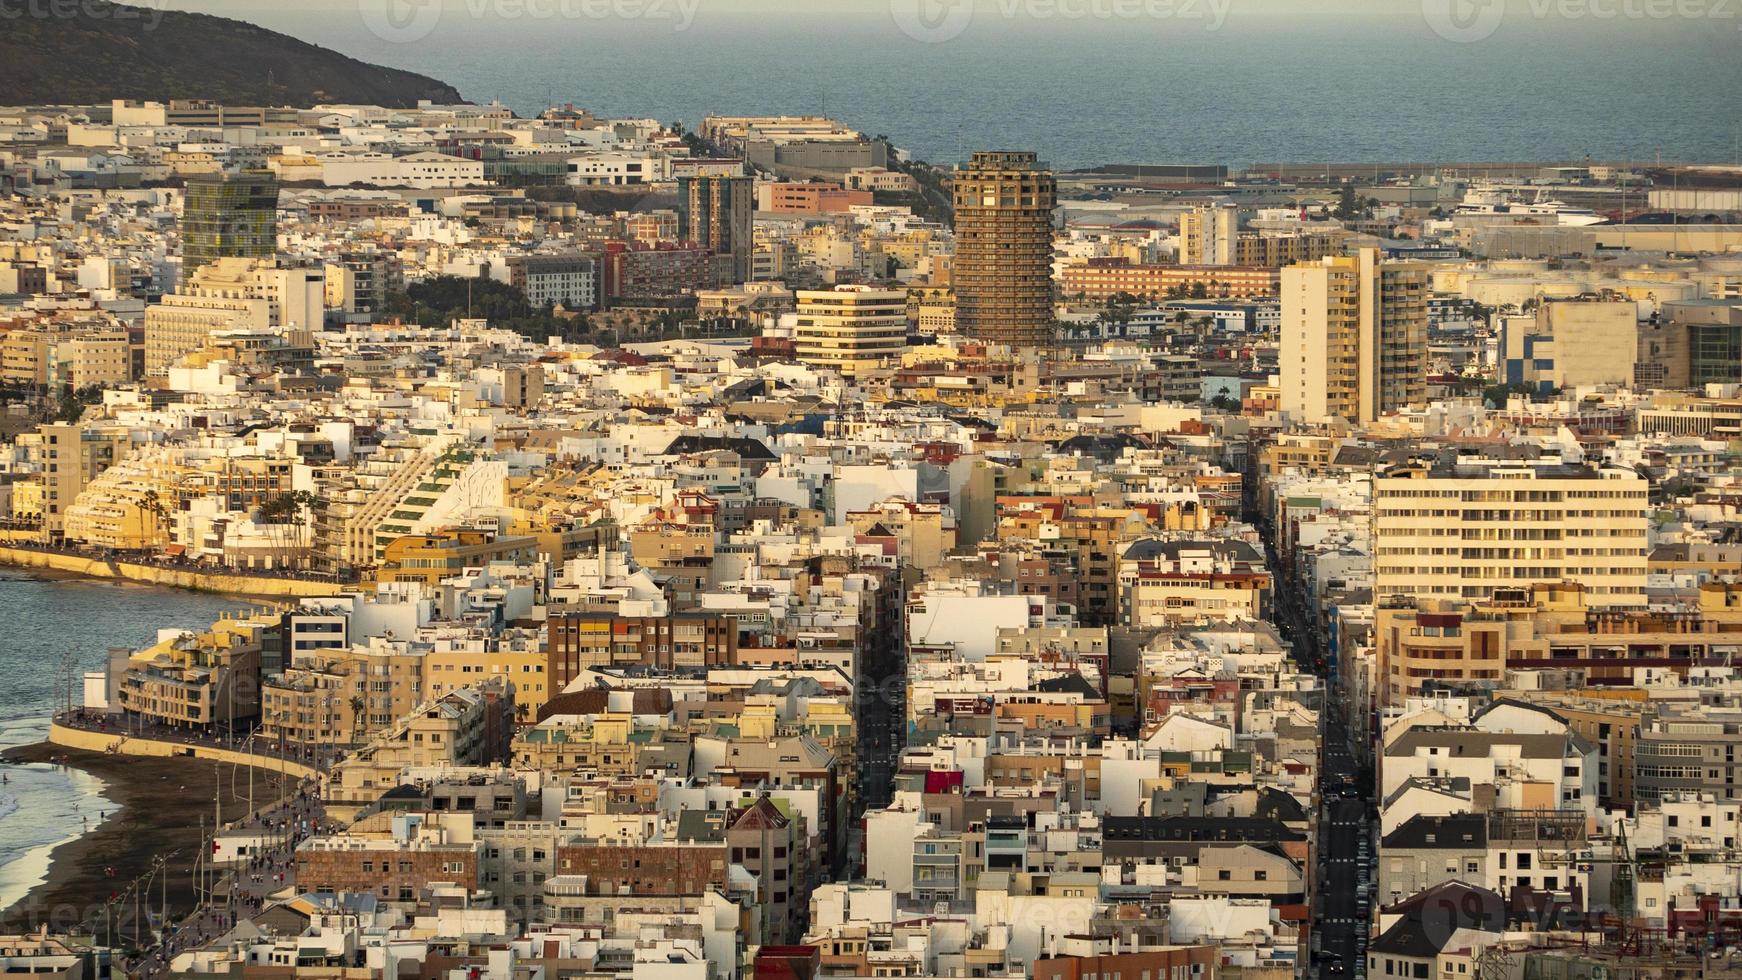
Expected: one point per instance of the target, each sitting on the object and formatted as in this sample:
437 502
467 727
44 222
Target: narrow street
881 690
884 723
1345 847
1346 863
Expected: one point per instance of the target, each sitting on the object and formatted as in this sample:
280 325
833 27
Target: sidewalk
245 890
269 752
158 560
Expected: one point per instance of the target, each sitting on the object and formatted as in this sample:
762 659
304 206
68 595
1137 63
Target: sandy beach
161 804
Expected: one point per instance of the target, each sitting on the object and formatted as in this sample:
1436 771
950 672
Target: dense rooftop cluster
663 584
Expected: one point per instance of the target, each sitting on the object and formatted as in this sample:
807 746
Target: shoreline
159 804
92 793
39 573
62 566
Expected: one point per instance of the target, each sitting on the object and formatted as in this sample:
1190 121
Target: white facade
423 170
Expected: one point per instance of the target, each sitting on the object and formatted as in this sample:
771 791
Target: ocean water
49 623
1086 82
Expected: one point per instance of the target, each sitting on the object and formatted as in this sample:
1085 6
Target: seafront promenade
89 731
146 838
257 584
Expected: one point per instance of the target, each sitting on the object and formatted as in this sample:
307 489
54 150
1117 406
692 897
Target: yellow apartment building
430 558
852 329
1354 337
1465 527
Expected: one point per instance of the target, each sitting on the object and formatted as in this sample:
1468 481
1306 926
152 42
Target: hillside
106 51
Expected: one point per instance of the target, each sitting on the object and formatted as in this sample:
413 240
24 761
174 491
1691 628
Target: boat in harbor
1500 203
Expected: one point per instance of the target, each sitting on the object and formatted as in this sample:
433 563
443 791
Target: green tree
1495 395
1348 205
440 300
1117 310
151 505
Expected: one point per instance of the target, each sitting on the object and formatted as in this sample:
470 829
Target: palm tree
151 503
358 703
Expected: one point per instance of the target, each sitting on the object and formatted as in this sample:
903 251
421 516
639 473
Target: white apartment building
1527 771
232 294
1465 527
567 280
1209 235
617 169
377 169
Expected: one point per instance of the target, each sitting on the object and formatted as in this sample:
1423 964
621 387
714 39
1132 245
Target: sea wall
232 583
124 744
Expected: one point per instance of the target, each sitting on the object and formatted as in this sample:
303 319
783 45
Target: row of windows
1509 554
1508 514
1530 572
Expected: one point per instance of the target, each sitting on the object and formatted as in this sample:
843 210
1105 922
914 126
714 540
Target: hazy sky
1617 16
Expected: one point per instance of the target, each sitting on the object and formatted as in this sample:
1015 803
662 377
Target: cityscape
448 540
